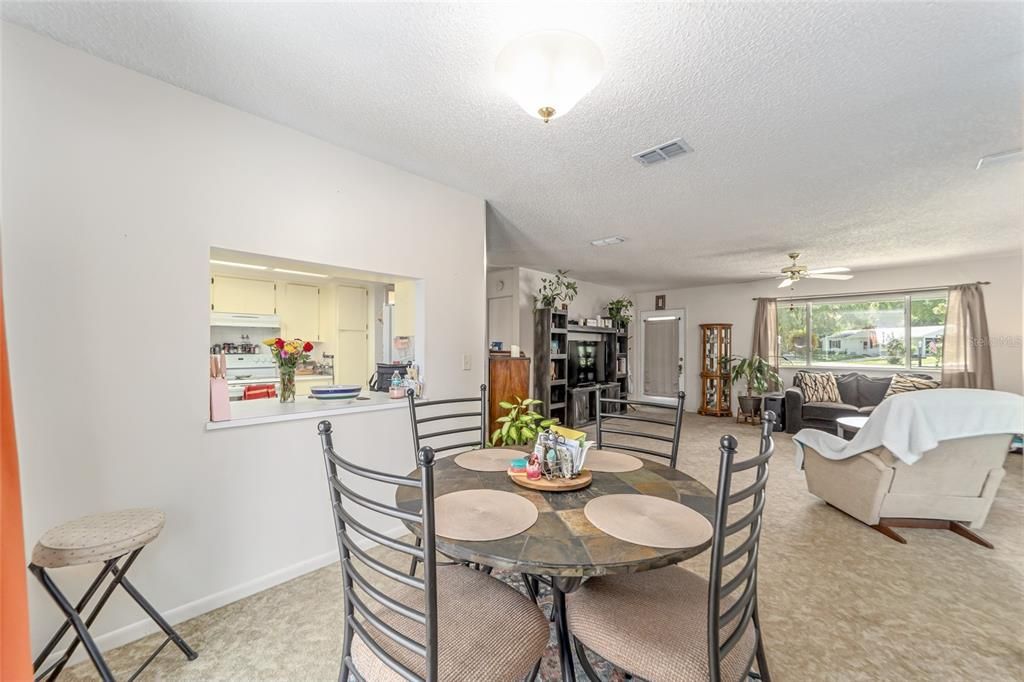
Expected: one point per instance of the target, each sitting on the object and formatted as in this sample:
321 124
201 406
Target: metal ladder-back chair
745 606
438 432
603 416
418 420
397 634
684 603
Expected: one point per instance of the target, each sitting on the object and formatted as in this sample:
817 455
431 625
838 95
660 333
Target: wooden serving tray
555 485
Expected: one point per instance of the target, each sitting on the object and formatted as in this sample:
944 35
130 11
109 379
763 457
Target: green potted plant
618 310
758 374
521 425
557 289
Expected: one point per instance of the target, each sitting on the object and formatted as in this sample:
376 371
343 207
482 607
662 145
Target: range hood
245 320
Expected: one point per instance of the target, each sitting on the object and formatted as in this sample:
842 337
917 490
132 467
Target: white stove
243 370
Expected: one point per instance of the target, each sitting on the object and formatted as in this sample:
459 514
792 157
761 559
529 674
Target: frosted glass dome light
548 72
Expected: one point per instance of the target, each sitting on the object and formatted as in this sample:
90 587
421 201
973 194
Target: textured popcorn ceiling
848 131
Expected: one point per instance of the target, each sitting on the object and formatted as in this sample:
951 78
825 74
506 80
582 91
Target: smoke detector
663 152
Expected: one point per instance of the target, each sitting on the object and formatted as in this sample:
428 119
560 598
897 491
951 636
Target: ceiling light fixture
663 318
300 272
608 241
1000 157
548 72
238 265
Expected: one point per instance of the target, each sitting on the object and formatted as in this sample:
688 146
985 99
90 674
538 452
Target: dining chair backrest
612 411
421 412
727 612
352 544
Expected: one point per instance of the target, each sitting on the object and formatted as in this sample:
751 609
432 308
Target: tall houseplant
557 289
618 310
521 425
757 374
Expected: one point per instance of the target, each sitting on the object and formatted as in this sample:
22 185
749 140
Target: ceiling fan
794 272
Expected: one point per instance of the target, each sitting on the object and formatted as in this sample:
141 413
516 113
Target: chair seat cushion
97 537
486 630
819 410
654 625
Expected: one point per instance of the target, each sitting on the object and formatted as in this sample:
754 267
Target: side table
776 402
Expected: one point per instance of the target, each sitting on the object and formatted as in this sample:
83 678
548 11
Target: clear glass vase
287 393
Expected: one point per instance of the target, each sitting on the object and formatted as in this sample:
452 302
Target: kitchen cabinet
303 385
299 308
405 309
241 295
352 356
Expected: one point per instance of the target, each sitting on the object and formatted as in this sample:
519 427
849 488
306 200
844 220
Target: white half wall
733 303
116 185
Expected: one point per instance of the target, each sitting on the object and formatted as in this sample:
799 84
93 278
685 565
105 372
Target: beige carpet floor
838 600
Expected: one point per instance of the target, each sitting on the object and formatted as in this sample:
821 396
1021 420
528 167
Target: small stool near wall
115 539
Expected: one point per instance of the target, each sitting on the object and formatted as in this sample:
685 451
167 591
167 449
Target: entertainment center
577 365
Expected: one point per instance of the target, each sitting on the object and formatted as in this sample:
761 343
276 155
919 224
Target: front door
662 354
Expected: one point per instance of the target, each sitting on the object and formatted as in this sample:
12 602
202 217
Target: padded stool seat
97 537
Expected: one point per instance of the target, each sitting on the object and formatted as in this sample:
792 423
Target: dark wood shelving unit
551 360
575 407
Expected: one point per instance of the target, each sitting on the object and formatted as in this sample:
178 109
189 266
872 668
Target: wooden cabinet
508 378
299 308
715 351
352 357
241 295
303 386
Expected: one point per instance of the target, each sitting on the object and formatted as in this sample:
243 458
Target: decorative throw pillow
903 383
819 387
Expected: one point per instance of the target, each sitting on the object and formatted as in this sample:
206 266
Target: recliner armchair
951 485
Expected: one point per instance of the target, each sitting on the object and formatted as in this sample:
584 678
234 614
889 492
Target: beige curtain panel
966 346
661 358
766 334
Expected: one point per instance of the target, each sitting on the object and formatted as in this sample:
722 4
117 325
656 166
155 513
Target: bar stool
107 538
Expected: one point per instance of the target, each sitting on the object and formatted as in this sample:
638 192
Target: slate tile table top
563 543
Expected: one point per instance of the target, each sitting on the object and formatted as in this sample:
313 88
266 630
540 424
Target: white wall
115 187
503 306
732 303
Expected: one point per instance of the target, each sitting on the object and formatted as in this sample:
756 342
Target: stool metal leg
171 633
76 622
48 649
82 628
96 609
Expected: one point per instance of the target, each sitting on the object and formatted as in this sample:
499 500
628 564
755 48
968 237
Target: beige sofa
950 486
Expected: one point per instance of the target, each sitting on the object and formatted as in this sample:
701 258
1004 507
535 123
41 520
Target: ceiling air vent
663 152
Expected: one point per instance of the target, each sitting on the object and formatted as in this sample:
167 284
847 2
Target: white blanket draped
910 424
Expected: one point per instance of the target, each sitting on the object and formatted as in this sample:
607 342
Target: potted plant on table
618 310
758 374
557 289
521 425
288 354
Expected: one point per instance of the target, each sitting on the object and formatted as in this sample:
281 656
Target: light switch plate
467 362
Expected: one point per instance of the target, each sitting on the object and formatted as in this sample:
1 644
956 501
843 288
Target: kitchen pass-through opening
348 327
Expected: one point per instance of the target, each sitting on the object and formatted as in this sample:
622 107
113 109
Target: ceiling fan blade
785 283
820 276
825 271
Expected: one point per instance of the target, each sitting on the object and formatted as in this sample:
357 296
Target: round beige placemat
648 520
488 459
478 515
611 462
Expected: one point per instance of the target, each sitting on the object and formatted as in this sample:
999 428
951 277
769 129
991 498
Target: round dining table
563 548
